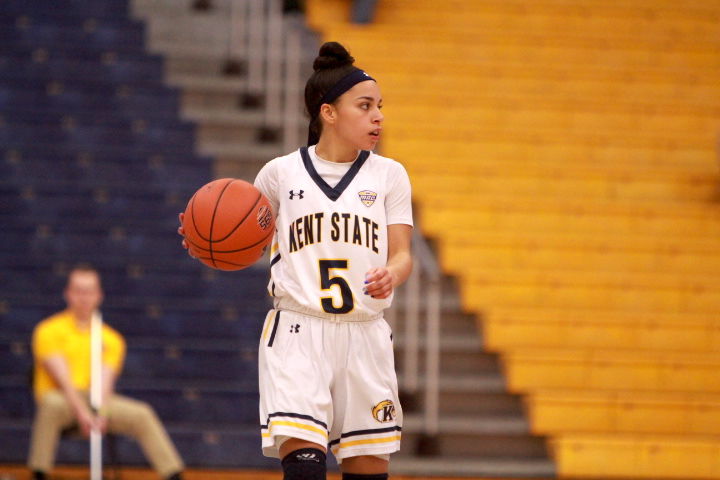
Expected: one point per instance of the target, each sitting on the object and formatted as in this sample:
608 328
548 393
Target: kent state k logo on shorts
384 411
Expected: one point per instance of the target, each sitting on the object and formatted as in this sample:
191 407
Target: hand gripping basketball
227 225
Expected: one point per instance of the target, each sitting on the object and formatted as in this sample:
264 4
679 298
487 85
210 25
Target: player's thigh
294 380
368 418
364 464
292 444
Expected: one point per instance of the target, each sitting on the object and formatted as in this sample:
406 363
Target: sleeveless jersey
328 237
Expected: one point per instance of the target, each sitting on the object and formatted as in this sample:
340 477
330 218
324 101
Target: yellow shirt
59 335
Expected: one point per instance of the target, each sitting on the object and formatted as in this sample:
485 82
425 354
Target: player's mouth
375 134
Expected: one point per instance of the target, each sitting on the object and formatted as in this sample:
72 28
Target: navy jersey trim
365 432
275 260
274 330
333 193
294 415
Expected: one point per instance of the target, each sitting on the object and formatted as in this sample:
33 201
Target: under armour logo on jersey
295 328
299 194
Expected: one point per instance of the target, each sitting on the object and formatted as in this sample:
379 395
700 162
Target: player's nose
379 117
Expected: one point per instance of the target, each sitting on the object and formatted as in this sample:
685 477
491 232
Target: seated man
61 350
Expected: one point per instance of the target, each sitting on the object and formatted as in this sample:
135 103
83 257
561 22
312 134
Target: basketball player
342 245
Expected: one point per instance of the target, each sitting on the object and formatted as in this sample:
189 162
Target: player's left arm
383 280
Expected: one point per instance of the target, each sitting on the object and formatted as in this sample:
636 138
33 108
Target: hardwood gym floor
18 472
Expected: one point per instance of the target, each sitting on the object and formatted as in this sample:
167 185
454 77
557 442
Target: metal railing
268 44
421 305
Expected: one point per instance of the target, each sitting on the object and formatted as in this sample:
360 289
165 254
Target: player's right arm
267 181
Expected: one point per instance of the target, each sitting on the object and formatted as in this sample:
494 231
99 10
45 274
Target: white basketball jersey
328 237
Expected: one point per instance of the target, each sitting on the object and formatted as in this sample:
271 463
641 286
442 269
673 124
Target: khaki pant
125 416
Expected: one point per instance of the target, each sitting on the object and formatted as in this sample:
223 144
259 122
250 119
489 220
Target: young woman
342 245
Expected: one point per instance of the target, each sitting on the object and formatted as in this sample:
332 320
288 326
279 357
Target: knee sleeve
305 464
359 476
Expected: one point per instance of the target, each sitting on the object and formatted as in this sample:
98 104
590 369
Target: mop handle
96 393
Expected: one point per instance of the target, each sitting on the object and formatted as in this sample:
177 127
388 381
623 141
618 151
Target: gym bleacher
96 164
563 156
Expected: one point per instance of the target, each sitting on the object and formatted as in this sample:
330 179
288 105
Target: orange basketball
228 224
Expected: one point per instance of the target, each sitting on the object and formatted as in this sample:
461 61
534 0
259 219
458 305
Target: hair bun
332 55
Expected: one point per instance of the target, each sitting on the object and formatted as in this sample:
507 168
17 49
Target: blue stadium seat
17 67
16 399
190 363
95 164
187 400
130 101
68 64
101 8
67 31
15 357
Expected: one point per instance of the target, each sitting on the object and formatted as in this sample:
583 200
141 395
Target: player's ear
328 113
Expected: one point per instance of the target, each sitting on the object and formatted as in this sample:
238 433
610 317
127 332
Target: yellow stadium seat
636 456
563 158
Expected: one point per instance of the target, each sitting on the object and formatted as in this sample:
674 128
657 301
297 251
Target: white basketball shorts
328 382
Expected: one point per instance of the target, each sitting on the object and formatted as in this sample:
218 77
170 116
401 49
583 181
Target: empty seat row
218 361
630 297
20 65
43 224
20 134
566 183
636 456
440 220
71 121
37 172
150 281
105 8
688 269
184 401
36 31
156 157
119 99
538 369
555 155
44 200
591 329
201 445
572 411
146 317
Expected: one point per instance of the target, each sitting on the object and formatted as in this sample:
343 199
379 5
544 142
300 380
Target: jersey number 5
327 282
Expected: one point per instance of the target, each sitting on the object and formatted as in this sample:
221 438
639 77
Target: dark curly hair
332 64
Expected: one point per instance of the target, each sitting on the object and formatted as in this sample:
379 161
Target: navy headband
344 84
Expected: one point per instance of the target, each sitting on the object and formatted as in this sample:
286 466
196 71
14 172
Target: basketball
228 224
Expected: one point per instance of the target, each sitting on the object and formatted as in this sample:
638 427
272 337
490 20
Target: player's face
83 293
359 119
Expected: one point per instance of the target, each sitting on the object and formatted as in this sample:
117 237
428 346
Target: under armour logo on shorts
300 194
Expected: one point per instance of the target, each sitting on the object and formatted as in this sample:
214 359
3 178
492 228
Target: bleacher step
469 467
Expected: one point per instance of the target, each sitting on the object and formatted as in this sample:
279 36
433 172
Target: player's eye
365 106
